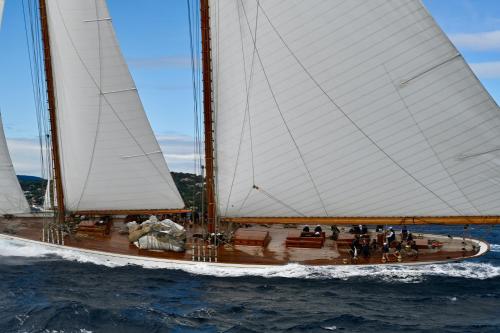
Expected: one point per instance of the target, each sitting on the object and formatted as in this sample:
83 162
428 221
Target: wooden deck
275 253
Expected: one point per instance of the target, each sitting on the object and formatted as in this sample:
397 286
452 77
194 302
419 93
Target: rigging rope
278 108
355 124
112 108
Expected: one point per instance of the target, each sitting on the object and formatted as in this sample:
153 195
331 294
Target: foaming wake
495 247
402 273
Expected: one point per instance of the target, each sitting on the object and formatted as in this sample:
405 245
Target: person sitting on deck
364 229
379 228
404 233
409 238
305 229
335 232
318 231
414 246
355 229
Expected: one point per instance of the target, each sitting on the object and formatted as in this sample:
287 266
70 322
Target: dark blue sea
42 291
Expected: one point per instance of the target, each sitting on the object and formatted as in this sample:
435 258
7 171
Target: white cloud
480 41
25 155
177 149
487 70
161 62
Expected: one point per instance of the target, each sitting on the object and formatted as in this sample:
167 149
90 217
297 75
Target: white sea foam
402 273
495 247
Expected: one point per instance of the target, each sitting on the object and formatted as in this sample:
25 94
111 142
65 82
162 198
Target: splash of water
402 273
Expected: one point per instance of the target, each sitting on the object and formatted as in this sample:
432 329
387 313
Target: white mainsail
111 159
348 108
12 199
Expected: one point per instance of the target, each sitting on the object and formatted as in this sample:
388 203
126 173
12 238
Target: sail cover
111 159
12 199
348 108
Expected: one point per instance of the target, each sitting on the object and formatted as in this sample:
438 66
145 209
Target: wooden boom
132 212
452 220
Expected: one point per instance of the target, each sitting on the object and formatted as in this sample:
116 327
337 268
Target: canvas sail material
12 199
348 108
49 196
111 159
47 205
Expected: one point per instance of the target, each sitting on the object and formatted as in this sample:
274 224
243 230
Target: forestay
12 200
111 159
348 108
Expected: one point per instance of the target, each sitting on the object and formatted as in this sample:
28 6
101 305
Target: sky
154 37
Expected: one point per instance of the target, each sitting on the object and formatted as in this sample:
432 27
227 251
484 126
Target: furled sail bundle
348 108
12 199
110 157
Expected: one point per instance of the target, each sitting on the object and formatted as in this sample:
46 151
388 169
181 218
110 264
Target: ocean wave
402 273
495 247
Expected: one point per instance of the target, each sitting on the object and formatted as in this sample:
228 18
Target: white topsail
348 108
12 199
111 159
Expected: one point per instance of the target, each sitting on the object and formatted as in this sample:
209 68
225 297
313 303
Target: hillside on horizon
189 185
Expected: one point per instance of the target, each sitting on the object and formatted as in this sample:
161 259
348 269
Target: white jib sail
348 108
111 159
12 199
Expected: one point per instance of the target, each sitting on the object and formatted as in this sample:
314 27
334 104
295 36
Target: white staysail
110 157
46 198
12 199
348 108
50 194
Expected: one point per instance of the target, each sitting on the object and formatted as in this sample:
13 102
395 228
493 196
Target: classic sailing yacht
12 199
316 112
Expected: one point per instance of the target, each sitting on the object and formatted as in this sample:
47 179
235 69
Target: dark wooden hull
275 252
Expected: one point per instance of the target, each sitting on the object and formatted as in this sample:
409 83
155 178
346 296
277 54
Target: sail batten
348 108
111 159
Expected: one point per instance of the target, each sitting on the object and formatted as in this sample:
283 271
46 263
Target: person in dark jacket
385 252
391 236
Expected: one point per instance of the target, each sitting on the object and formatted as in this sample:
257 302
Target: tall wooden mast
207 111
52 111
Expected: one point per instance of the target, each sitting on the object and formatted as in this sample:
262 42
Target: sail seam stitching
248 86
283 118
349 118
174 190
427 139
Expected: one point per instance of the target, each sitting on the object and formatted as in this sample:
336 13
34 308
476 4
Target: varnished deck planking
274 254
